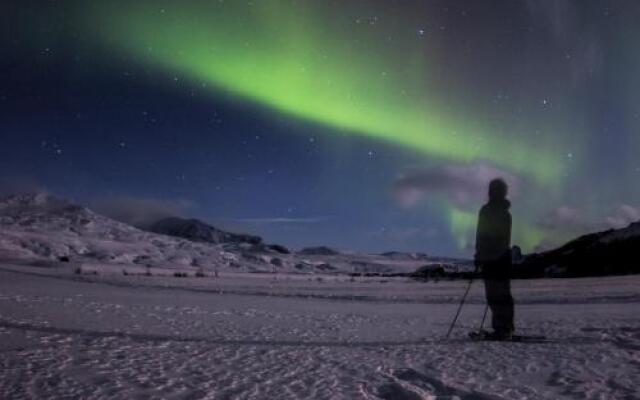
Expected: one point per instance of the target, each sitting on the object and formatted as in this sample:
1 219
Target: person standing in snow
493 257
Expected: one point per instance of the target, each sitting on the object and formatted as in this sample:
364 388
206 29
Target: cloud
140 211
567 220
461 184
403 234
622 216
564 217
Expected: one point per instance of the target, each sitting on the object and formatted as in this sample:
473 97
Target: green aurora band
293 60
296 59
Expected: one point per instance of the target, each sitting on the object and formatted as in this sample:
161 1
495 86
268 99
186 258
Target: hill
611 252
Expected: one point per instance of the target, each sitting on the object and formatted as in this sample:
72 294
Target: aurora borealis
346 99
286 56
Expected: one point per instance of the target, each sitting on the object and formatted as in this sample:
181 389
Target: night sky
365 125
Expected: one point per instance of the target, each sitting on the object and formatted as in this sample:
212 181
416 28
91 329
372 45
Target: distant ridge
318 251
198 231
611 252
398 255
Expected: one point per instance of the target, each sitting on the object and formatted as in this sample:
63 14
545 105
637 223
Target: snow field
239 337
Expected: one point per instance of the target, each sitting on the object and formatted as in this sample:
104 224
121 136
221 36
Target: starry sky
365 125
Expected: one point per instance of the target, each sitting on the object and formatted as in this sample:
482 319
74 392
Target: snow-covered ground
254 336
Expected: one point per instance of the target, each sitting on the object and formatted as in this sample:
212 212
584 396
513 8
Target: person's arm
479 238
509 223
506 235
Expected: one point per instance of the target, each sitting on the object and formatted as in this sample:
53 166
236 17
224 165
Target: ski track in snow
128 338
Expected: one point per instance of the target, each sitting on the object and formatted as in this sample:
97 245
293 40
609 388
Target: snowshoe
482 335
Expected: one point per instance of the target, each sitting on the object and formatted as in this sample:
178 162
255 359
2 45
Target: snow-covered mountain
611 252
40 226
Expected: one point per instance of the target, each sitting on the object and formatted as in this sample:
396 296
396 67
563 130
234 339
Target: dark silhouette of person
493 257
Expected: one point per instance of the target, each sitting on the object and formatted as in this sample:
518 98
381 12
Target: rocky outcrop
318 251
198 231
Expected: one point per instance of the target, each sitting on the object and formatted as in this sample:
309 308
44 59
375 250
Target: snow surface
293 336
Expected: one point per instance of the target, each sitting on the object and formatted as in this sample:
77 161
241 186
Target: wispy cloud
565 220
403 234
623 215
284 220
461 184
565 217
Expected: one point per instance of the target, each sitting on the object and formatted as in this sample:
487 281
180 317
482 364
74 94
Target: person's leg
491 293
498 292
508 307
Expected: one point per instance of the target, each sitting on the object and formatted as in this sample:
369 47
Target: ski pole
486 308
459 308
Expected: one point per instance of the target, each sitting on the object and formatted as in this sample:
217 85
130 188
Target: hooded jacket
493 237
